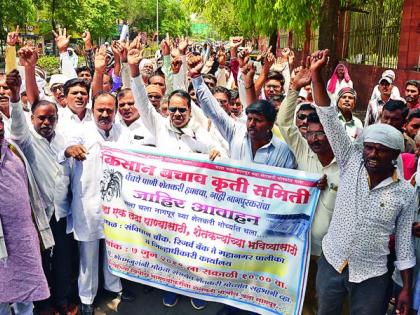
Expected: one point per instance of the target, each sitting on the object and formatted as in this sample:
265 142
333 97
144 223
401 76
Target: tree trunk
328 30
273 42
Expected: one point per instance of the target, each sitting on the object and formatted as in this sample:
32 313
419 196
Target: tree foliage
99 16
260 17
173 17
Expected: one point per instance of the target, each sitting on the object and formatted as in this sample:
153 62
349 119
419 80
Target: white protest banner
230 232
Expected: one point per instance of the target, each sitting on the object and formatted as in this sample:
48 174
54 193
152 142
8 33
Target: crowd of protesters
208 99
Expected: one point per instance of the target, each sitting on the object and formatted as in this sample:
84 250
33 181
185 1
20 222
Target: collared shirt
354 127
85 218
138 133
364 218
69 122
42 156
191 138
308 161
274 153
374 111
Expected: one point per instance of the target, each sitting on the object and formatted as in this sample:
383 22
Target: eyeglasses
54 88
181 110
317 134
302 116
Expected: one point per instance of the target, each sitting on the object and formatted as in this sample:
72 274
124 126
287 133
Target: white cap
58 78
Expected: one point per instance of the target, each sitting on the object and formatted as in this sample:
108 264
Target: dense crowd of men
204 99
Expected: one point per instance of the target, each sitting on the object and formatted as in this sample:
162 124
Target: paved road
151 304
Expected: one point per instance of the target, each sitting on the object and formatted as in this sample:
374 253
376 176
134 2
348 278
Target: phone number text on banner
230 232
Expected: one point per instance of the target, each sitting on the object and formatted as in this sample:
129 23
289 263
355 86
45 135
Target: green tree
15 12
173 17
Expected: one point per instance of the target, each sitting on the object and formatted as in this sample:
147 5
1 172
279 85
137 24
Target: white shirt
138 133
308 161
85 219
395 93
68 122
192 138
364 218
7 122
50 176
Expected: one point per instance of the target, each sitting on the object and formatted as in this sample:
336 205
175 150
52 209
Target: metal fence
374 34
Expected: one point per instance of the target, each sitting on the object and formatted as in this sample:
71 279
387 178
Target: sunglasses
317 134
54 88
302 116
181 110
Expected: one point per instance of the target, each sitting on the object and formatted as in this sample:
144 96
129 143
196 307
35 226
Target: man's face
77 99
147 70
235 107
394 118
412 126
179 112
44 120
258 126
58 93
223 101
302 120
316 138
104 112
127 108
209 82
164 111
193 96
411 94
155 98
160 81
377 157
340 72
5 94
85 75
347 102
385 88
271 88
106 83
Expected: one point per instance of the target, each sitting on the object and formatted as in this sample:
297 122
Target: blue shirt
274 153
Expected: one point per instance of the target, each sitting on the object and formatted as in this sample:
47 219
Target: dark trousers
366 297
57 264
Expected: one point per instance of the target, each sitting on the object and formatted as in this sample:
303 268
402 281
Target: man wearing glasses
309 144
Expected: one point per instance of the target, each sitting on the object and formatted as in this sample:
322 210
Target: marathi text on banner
235 234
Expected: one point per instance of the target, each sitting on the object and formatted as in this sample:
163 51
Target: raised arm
286 114
151 119
19 130
208 102
10 54
166 67
100 68
267 60
62 41
248 73
89 53
337 135
28 58
117 51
